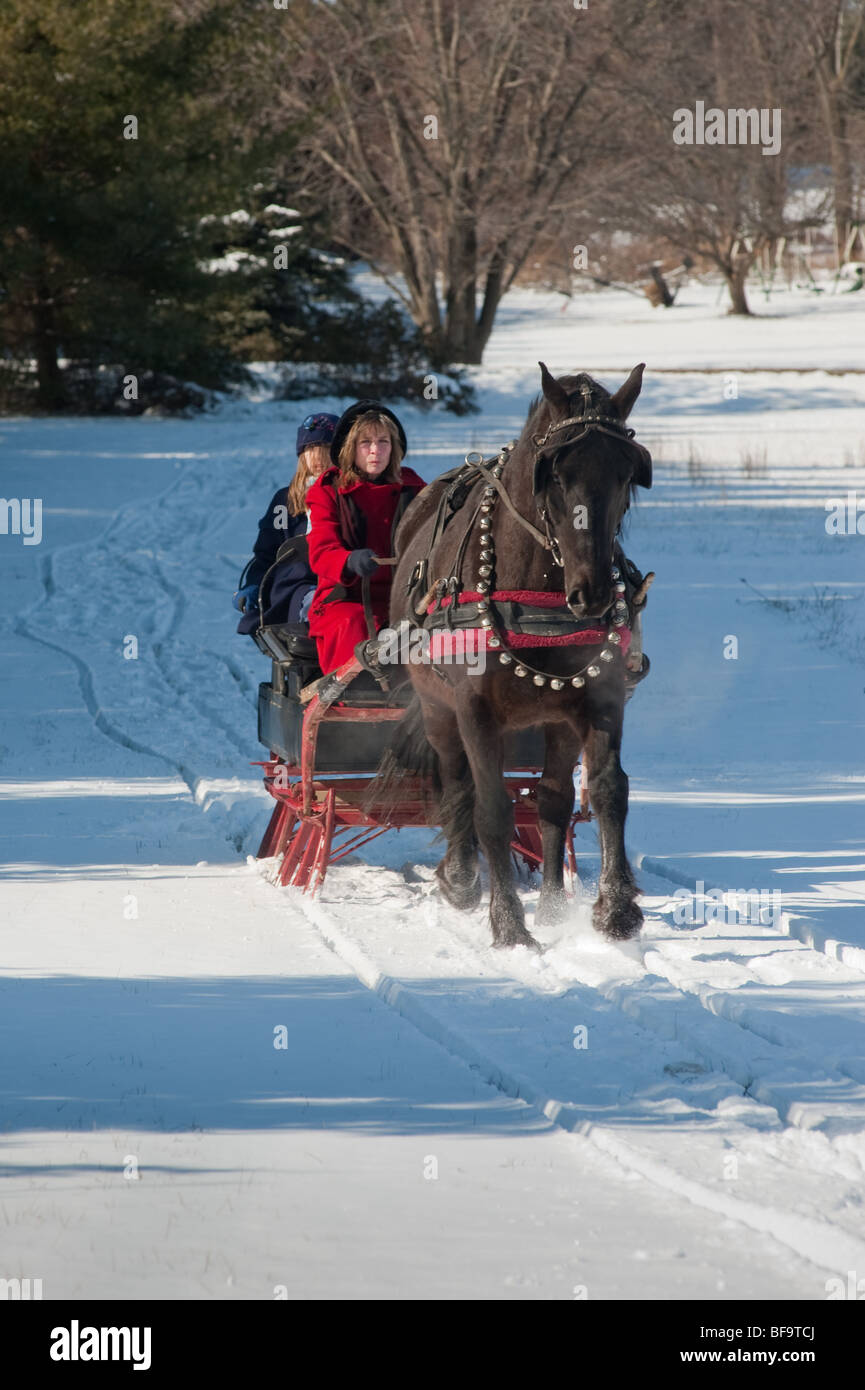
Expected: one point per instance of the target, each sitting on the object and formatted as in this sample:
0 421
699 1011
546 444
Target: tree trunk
665 296
460 318
49 379
832 74
842 178
736 273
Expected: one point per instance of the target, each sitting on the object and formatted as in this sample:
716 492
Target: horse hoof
463 897
551 911
516 938
620 923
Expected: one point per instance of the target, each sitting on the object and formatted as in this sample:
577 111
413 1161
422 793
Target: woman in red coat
354 508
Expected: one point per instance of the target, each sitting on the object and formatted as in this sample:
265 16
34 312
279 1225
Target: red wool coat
367 510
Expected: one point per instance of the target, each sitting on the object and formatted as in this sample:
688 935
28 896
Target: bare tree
833 33
446 133
727 189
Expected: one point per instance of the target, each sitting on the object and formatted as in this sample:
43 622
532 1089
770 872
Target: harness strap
533 620
486 472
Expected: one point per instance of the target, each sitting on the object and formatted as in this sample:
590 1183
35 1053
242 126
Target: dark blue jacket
292 579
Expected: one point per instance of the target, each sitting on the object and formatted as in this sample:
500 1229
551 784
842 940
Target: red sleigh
326 739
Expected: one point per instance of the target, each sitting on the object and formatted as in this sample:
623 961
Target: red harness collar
584 637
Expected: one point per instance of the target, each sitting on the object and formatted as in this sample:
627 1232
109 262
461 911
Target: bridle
547 446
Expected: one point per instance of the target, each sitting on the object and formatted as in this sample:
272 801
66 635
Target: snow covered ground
431 1126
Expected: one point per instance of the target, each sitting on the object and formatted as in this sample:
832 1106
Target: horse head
585 470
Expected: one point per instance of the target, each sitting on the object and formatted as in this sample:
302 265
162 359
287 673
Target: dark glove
246 598
362 563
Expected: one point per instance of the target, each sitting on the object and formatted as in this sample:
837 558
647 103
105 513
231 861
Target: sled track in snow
756 1050
801 928
729 1036
178 675
829 1247
100 719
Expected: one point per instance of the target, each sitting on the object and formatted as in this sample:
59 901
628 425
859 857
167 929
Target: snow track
799 927
695 1099
697 1073
667 1058
95 594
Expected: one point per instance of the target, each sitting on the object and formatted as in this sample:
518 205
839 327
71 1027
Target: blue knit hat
316 429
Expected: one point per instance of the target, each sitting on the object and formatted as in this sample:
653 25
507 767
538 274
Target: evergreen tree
119 127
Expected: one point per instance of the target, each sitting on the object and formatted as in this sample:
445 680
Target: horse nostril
577 601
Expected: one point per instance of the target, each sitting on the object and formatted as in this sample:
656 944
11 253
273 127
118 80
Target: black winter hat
348 417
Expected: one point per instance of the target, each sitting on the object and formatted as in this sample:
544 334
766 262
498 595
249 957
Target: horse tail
410 755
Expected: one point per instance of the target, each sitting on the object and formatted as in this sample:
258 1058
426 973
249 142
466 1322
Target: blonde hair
348 473
297 487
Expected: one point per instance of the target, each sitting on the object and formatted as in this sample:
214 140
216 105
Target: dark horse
501 539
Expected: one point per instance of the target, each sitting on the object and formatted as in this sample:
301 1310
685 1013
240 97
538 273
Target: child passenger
289 591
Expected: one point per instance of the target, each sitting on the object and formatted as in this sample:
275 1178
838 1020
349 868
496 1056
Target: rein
484 468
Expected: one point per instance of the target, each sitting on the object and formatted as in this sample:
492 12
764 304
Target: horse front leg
555 807
494 820
458 873
615 913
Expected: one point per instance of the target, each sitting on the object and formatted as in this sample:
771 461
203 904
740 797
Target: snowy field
430 1129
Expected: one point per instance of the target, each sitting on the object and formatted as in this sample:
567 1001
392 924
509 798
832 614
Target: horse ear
624 399
555 394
